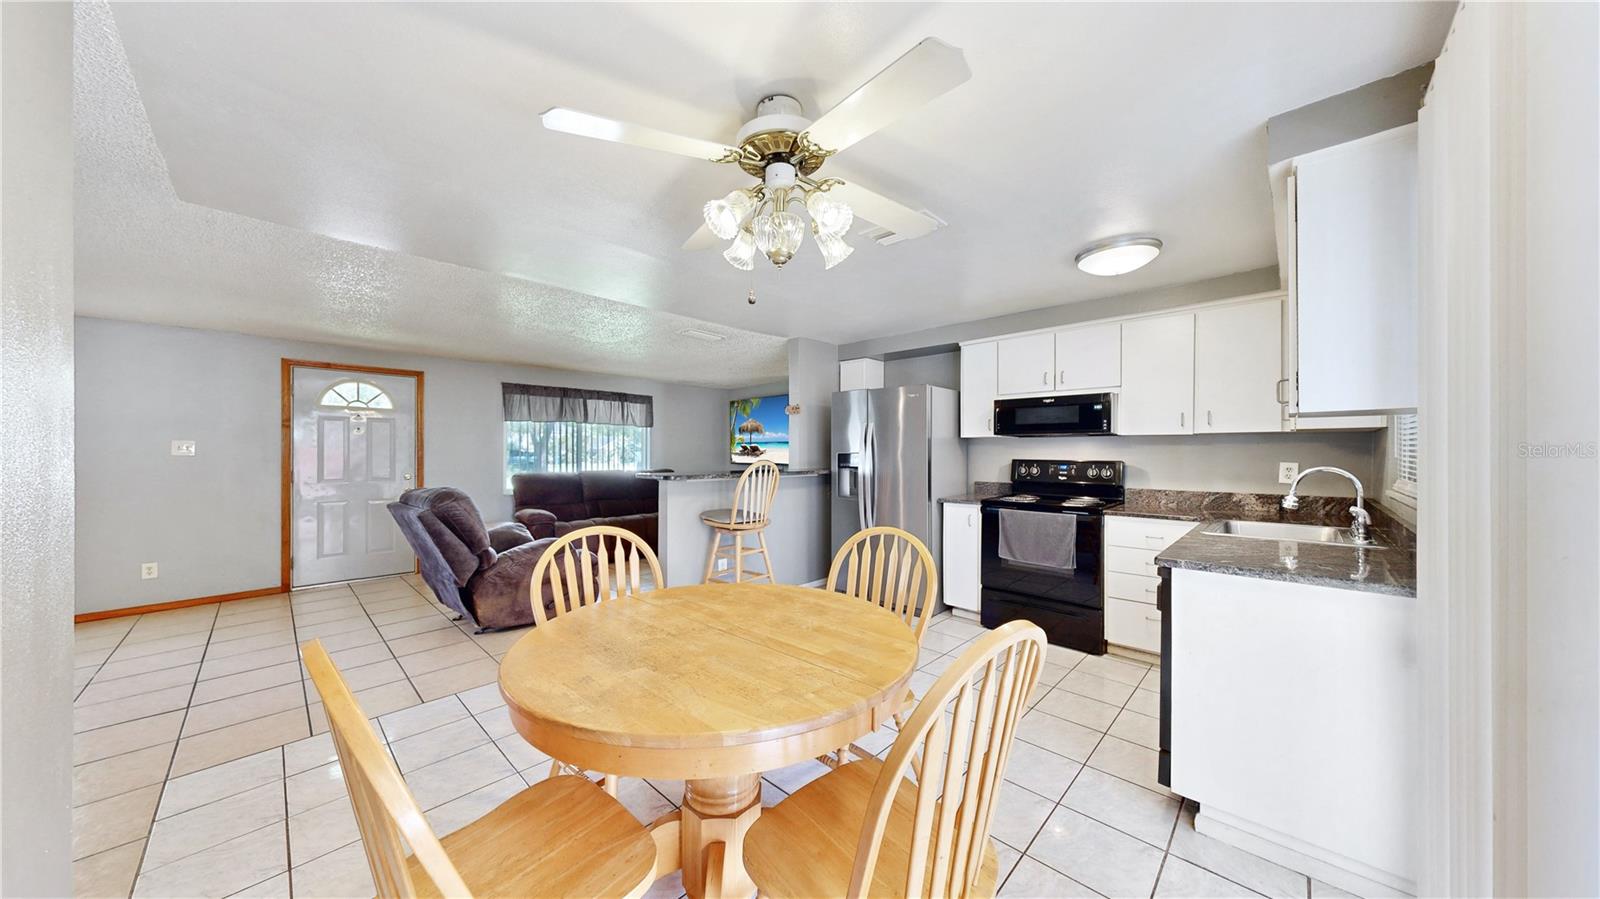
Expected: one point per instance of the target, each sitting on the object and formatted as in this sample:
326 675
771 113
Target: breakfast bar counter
798 535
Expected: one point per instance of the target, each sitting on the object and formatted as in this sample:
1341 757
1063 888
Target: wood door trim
286 461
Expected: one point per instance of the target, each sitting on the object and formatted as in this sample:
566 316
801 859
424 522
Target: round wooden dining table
711 684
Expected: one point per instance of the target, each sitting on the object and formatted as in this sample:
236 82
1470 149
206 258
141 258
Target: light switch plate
183 447
1288 471
147 570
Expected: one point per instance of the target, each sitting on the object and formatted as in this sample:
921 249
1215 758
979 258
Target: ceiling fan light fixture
832 246
779 233
724 216
741 254
832 216
1118 256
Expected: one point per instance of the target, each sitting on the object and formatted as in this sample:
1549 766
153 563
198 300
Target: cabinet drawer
1133 587
1154 534
1133 624
1130 560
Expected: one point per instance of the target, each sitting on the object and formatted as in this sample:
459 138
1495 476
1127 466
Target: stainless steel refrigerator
896 451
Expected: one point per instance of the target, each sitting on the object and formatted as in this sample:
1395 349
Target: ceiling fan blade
904 221
702 239
926 71
583 124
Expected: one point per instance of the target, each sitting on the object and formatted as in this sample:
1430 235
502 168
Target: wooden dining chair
584 567
560 837
591 565
922 837
894 570
750 514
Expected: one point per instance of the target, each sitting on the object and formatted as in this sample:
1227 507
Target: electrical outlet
1288 471
183 447
724 564
147 570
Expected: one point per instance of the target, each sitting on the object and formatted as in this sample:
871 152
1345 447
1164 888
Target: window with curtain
566 429
1404 437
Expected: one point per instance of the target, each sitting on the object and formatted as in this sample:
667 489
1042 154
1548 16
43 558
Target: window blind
1405 454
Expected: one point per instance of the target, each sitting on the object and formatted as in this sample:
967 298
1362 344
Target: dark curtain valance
531 402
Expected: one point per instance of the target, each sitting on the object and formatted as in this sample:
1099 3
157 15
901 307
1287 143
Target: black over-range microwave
1052 416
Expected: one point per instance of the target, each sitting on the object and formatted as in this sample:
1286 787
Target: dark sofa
479 571
550 505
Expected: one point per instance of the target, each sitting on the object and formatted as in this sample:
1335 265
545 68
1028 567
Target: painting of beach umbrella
760 429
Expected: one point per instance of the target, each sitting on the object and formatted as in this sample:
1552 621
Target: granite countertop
981 490
728 475
1390 567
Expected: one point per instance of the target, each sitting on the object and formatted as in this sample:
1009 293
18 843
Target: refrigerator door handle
869 465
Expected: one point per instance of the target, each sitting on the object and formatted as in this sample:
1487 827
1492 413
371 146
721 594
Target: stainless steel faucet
1360 520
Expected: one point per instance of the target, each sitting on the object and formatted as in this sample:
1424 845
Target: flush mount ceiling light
1119 255
783 149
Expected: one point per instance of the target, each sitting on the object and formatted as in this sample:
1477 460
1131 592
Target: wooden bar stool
752 503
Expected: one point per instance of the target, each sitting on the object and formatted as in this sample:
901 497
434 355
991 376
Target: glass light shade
741 254
724 216
779 232
1120 256
832 216
834 249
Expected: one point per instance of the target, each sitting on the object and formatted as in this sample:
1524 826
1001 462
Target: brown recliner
552 504
479 571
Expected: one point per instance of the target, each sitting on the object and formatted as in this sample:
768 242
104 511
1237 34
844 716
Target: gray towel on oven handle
1039 538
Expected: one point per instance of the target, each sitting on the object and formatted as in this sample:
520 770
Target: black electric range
1069 604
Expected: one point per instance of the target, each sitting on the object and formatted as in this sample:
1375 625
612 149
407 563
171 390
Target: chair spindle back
890 568
588 565
752 495
963 732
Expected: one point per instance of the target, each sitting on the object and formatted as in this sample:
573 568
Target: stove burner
1021 498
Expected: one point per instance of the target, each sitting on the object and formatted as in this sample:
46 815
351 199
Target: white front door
354 452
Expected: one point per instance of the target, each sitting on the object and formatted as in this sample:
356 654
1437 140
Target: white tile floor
203 768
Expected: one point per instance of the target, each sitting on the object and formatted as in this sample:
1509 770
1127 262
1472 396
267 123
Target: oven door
1047 416
1080 587
1069 606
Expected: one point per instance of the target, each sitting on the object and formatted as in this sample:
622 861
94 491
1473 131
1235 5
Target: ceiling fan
784 149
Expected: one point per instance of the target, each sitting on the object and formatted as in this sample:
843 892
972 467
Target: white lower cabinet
1132 545
963 542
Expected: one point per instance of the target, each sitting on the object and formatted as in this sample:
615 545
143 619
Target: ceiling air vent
885 237
702 334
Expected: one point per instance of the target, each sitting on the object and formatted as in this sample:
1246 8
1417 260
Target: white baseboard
1325 865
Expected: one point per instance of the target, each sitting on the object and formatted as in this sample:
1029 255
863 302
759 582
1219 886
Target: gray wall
939 369
813 378
1237 463
36 535
1241 284
1369 109
212 521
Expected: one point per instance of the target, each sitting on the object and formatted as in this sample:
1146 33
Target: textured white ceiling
144 255
414 128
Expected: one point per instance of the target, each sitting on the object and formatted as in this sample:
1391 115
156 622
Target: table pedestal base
716 814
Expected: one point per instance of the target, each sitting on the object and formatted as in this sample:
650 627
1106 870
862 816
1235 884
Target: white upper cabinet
1027 364
1157 376
1354 286
860 374
1089 359
1238 360
978 372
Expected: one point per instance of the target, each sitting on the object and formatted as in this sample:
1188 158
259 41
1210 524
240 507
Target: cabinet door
1027 364
1157 376
1089 360
978 373
1355 220
1238 354
961 549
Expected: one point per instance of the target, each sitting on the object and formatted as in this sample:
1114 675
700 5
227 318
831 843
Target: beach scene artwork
758 428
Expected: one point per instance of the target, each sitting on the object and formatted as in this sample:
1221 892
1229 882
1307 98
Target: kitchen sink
1275 530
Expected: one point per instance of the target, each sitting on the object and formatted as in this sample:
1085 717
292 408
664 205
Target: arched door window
356 396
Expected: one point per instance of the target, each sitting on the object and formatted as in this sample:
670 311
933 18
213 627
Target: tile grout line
138 870
305 694
102 664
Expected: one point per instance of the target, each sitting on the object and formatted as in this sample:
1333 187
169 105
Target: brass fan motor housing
759 150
